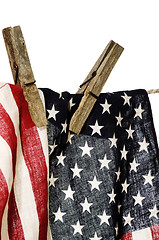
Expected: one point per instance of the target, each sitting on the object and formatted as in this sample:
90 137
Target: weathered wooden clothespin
93 84
22 73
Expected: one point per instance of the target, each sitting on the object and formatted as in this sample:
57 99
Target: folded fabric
104 182
23 170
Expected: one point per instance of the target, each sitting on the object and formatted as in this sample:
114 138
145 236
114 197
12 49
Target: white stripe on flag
142 234
43 134
44 140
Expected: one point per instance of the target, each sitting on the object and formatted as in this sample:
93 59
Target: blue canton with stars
104 182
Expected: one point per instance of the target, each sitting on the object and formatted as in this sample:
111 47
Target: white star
52 148
118 174
134 165
95 237
69 137
60 95
106 106
64 126
119 206
116 229
77 228
59 215
96 128
69 193
139 111
123 152
61 158
143 145
126 99
113 140
86 205
112 196
128 219
52 180
95 183
125 186
104 218
130 132
52 113
76 171
154 212
119 119
71 104
86 149
148 178
104 162
138 199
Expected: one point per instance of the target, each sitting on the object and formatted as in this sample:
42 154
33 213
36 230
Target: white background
64 38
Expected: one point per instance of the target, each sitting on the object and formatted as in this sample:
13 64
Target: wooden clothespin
22 73
93 84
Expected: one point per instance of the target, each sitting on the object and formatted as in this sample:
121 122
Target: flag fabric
23 170
104 182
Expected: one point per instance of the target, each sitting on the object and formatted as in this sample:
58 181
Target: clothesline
153 91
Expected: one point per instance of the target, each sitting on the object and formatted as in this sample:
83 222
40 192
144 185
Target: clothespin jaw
23 74
94 83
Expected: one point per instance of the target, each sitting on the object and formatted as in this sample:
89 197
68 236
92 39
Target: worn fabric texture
104 182
23 170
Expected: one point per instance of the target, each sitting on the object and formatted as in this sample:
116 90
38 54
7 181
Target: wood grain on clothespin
93 84
22 73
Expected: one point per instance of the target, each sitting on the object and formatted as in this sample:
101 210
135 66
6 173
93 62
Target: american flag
23 170
104 182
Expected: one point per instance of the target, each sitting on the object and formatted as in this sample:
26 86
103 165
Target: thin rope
153 91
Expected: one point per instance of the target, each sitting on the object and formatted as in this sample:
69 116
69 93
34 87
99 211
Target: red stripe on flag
3 196
34 159
127 236
14 223
7 132
155 232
